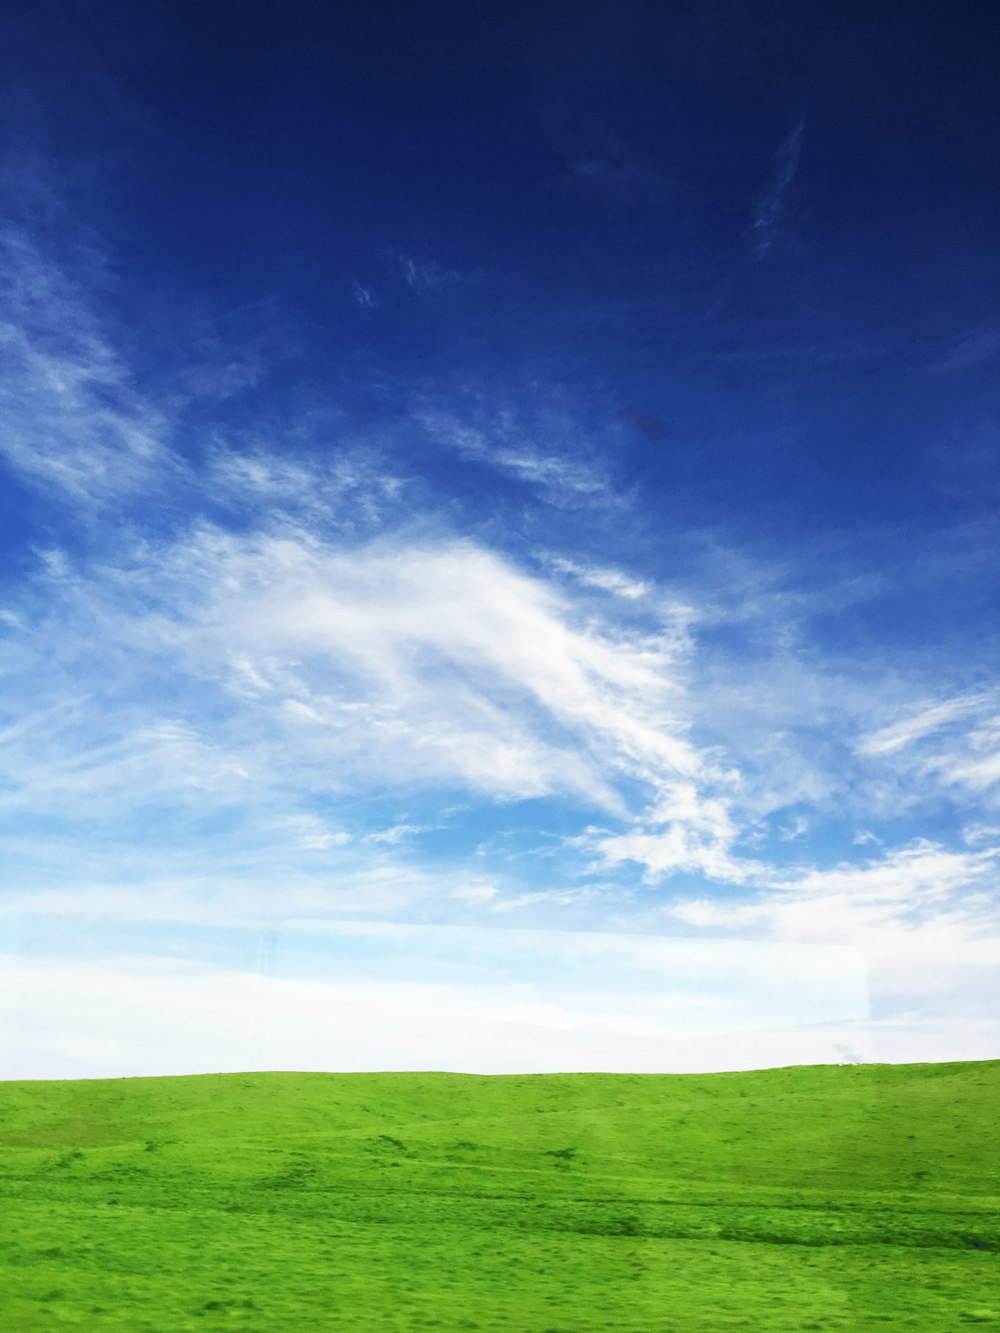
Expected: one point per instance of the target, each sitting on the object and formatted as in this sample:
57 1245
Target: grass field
852 1197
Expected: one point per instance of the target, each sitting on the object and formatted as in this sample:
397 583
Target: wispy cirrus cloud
903 894
772 201
601 576
353 488
951 743
545 452
975 765
58 758
74 421
916 725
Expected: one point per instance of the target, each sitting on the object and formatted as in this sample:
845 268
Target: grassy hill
851 1197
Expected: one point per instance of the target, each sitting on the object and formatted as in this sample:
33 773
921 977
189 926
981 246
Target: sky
498 529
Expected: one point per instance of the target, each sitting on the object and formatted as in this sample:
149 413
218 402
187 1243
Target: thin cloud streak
773 201
545 453
74 420
955 743
891 739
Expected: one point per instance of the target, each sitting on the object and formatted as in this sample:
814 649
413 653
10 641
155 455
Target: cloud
889 740
363 296
596 576
796 829
350 489
685 832
927 920
955 743
837 902
978 766
421 275
772 202
313 833
476 893
294 662
927 917
545 452
390 837
550 897
66 756
269 697
909 877
74 422
974 833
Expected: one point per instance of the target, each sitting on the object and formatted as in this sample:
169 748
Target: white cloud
891 739
295 669
923 871
391 663
349 489
546 452
954 743
974 833
976 764
797 829
70 757
927 918
257 878
73 419
313 833
848 899
398 833
609 580
550 897
685 831
476 893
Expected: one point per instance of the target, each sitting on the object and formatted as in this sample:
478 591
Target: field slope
852 1197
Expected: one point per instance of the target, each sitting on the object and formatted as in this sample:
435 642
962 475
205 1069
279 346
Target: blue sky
515 476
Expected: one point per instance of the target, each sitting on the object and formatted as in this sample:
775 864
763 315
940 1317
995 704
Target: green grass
829 1198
